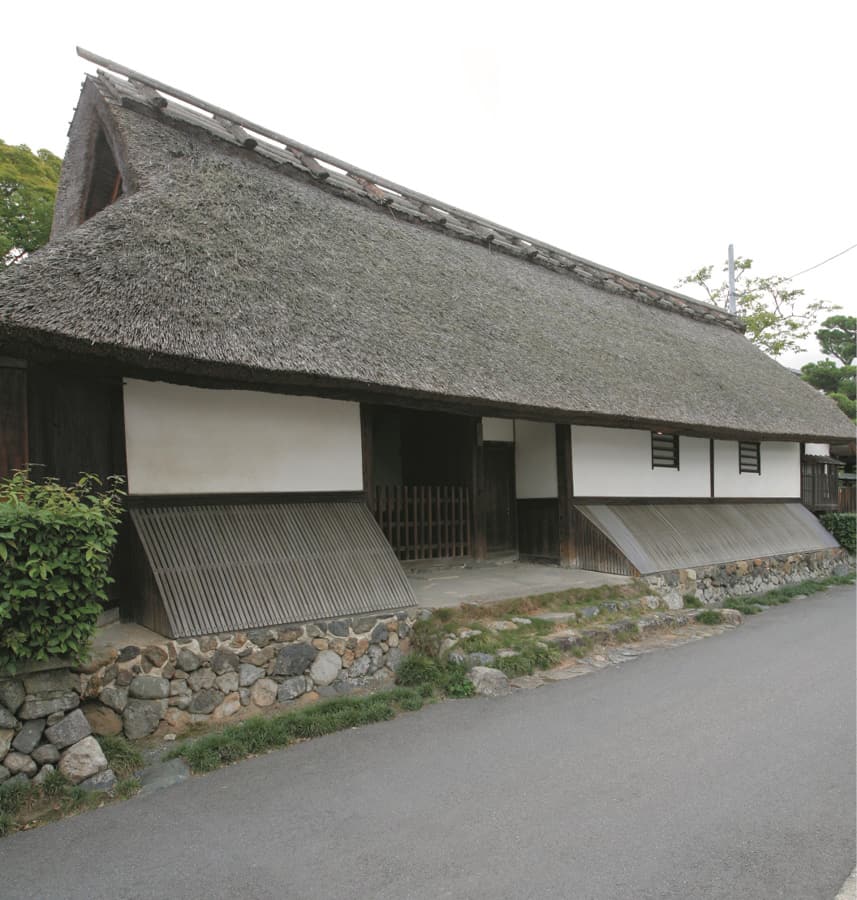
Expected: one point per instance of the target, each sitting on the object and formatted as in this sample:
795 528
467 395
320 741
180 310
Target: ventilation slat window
664 450
749 460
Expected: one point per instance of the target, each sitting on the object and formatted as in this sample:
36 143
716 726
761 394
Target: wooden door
500 496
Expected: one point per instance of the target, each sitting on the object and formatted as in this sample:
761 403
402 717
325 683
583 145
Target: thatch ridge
231 265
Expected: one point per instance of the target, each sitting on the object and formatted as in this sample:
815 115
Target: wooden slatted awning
235 565
659 537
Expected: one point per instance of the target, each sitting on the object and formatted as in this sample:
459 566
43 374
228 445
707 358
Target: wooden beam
367 446
565 493
479 550
151 96
237 132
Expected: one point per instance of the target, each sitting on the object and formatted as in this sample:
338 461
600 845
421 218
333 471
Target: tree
776 316
837 338
28 187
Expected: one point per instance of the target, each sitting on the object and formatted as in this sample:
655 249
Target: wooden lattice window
664 450
749 457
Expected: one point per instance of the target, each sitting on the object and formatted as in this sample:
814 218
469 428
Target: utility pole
732 304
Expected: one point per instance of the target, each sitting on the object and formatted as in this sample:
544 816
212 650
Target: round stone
264 692
326 667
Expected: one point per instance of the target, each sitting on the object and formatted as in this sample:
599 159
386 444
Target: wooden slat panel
226 567
658 537
595 551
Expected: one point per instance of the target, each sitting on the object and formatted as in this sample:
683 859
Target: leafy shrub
843 526
55 549
691 601
456 683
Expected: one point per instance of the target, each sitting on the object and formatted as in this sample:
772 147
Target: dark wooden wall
13 417
538 530
76 423
594 551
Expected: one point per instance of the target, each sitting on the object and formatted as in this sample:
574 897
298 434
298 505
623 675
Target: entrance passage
500 529
422 473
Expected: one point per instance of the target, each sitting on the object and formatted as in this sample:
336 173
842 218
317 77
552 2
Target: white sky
643 136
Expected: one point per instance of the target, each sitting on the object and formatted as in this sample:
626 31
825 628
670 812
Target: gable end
94 170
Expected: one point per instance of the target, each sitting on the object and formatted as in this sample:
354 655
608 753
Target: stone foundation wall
713 584
47 718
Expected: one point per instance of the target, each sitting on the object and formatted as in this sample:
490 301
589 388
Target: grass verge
260 733
27 805
749 606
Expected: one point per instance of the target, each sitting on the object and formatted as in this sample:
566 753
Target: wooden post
479 548
367 453
711 467
565 495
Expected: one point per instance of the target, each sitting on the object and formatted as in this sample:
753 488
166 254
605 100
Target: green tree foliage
28 187
836 337
776 315
55 548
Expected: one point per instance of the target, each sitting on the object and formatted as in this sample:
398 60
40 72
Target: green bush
843 526
456 684
55 548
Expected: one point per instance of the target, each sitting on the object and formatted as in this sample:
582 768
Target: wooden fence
424 521
818 486
848 498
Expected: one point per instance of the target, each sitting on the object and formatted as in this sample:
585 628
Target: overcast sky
643 136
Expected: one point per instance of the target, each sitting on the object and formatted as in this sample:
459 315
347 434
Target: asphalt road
723 768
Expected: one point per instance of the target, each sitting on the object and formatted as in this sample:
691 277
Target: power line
817 265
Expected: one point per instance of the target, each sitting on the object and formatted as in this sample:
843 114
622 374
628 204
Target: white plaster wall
498 429
817 449
535 460
617 462
780 471
186 440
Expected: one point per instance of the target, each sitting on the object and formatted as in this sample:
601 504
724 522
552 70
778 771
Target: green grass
55 784
533 656
124 758
691 601
710 617
260 734
28 803
750 605
126 788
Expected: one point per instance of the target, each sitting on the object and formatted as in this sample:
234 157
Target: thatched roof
247 265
